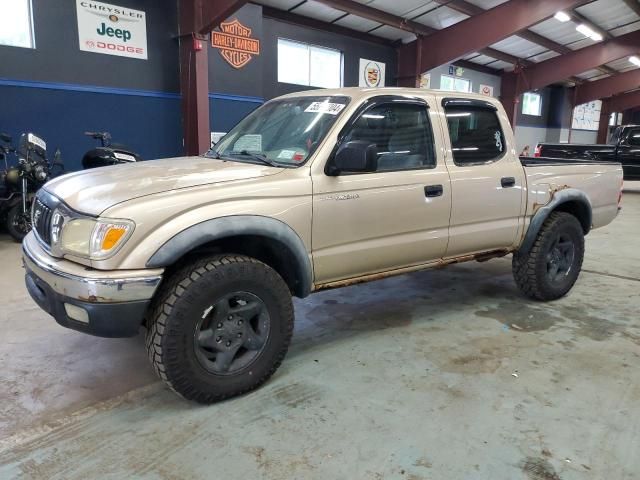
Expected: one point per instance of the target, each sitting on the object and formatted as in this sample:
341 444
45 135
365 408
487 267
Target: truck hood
93 191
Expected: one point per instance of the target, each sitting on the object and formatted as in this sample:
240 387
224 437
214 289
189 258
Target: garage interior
438 374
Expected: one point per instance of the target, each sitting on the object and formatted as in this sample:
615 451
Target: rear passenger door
394 217
487 178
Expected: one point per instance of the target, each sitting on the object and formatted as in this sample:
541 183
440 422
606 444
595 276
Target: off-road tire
530 269
176 311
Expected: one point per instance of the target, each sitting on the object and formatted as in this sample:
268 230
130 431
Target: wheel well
268 250
579 210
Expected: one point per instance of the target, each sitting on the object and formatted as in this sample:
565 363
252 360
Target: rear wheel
220 327
18 222
551 267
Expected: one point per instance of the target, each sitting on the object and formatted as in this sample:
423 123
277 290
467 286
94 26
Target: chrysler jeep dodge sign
110 29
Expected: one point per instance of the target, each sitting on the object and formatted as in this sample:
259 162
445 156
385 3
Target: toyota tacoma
311 191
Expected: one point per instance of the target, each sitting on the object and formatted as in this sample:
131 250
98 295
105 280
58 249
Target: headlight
108 236
91 238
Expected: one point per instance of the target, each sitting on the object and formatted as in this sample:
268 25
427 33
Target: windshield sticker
250 142
325 107
498 137
287 154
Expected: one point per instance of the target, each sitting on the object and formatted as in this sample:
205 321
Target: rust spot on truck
557 188
94 299
480 257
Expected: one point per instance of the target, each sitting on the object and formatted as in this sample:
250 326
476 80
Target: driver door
396 216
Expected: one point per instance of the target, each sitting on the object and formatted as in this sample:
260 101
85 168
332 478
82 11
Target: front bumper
102 303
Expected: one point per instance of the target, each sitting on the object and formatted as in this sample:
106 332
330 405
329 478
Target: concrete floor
446 374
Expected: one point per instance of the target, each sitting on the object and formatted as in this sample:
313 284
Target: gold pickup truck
311 191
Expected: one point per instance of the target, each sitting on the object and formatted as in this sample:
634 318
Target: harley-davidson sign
235 43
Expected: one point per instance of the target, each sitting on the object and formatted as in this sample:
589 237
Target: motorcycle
107 153
19 183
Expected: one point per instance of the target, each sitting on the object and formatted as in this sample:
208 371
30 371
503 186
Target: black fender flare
560 197
234 225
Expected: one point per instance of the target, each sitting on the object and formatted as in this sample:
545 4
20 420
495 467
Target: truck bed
601 181
537 161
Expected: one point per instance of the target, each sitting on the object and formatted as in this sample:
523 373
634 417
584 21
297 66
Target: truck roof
364 92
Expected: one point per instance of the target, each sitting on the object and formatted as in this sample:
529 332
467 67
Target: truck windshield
281 132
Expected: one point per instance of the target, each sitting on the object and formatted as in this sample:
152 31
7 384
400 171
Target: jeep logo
125 35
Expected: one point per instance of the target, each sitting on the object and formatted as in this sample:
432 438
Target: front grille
42 221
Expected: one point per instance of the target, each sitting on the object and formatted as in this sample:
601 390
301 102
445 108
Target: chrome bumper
76 281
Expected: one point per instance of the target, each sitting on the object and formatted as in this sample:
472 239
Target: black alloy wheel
560 258
232 333
219 326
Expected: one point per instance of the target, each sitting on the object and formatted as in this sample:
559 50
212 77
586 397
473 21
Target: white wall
533 135
529 136
584 136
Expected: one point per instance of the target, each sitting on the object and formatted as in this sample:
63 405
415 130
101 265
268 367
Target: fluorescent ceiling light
583 29
635 60
562 16
588 32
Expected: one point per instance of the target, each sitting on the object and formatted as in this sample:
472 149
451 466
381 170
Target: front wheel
551 267
220 327
18 222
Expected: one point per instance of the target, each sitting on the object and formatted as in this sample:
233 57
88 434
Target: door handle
507 182
433 191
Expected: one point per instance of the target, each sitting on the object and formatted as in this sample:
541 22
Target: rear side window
634 137
476 134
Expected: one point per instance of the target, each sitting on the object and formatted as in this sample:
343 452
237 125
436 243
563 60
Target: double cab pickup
311 191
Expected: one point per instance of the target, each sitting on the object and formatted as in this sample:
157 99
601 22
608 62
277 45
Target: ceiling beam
599 89
559 68
633 5
470 9
619 103
505 57
380 16
488 27
215 12
418 29
296 19
477 67
596 28
579 18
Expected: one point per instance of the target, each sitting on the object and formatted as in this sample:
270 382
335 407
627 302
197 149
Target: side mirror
354 156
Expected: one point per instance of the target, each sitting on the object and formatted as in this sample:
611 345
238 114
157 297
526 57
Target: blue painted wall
59 92
147 122
227 110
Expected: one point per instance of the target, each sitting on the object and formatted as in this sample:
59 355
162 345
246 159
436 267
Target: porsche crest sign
235 43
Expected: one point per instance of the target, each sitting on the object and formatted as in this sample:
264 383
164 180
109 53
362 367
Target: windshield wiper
258 157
